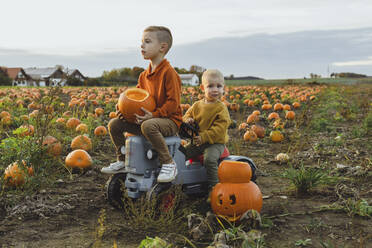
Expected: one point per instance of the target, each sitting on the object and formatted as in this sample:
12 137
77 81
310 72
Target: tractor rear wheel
164 196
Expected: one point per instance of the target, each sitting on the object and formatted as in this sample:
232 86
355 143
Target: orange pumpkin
99 111
273 115
286 107
100 131
232 200
235 193
131 101
278 106
290 115
54 147
15 176
72 123
6 120
234 172
252 118
234 107
81 142
78 159
33 114
112 115
276 136
82 128
266 106
296 105
256 112
250 136
4 114
242 126
259 130
61 121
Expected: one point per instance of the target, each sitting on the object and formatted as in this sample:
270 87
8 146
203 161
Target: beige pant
154 130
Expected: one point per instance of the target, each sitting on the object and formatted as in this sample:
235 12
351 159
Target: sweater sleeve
189 113
218 129
172 86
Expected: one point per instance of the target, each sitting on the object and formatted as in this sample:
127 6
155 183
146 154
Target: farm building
189 79
18 76
74 73
50 76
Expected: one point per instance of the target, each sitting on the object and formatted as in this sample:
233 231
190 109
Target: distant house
50 76
189 79
18 76
74 73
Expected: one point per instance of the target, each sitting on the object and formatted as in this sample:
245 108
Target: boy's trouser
154 130
211 155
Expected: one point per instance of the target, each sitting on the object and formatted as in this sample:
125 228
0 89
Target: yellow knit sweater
213 120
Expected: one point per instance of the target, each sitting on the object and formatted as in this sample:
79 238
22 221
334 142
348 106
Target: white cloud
354 62
78 26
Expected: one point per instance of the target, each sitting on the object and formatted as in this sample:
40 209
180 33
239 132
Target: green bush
5 80
304 179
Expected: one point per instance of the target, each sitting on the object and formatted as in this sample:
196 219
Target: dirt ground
68 213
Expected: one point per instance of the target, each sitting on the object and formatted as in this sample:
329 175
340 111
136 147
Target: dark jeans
154 130
211 154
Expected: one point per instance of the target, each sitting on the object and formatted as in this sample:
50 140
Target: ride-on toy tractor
144 167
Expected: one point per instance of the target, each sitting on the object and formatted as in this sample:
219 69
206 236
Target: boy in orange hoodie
164 84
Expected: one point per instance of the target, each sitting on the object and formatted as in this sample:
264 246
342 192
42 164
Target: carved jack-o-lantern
233 196
233 199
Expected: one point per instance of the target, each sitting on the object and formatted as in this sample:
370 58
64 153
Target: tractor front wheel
115 190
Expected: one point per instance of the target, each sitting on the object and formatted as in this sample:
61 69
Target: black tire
253 167
115 188
163 196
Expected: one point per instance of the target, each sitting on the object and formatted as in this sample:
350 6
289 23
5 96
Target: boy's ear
163 47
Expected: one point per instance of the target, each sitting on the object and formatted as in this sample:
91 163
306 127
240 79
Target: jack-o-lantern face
233 199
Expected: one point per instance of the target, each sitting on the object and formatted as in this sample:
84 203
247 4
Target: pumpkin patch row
85 112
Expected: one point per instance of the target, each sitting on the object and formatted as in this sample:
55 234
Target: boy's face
150 46
213 90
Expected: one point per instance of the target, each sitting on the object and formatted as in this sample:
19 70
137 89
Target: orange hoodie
164 84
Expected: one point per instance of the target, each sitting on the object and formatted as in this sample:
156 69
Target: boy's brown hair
163 34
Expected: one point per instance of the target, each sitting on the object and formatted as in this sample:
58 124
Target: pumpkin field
311 143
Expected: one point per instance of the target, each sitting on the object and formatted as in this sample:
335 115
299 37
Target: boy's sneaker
113 168
167 173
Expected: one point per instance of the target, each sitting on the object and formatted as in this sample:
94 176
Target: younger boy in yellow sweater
213 119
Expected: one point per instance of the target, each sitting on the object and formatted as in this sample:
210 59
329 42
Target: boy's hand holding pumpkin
119 114
146 116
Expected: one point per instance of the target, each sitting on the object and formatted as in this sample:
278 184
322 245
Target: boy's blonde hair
212 75
163 34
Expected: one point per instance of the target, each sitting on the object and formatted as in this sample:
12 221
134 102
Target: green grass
345 81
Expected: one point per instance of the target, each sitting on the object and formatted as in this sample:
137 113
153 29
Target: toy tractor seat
200 158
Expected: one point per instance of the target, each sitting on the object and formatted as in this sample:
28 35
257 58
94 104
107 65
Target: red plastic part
200 158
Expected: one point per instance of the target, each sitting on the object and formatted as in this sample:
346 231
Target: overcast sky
97 35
